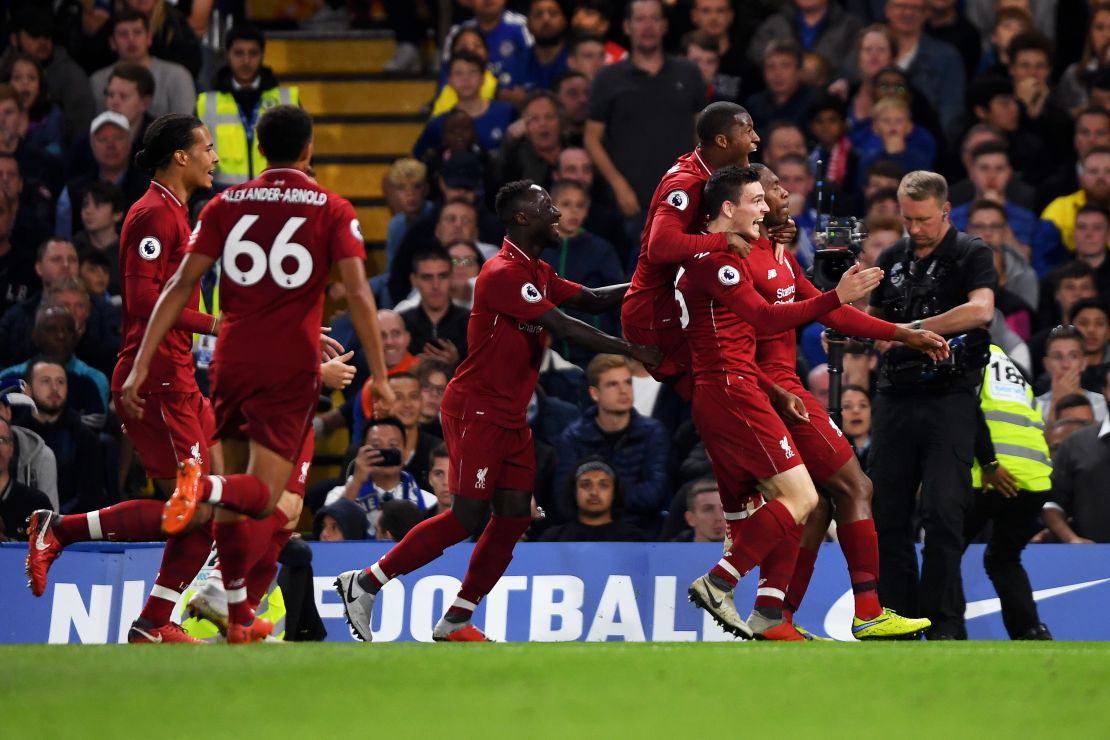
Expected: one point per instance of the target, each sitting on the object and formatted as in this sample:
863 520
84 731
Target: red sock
424 543
861 549
757 535
236 545
736 511
491 557
799 583
262 573
131 521
181 560
246 494
776 569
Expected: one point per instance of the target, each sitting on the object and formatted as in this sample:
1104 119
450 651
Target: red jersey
724 309
497 378
151 247
672 233
278 235
783 282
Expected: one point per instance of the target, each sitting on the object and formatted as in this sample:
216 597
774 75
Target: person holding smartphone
376 475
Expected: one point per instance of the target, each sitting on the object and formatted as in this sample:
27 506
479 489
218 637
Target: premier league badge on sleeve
679 199
728 275
529 293
150 248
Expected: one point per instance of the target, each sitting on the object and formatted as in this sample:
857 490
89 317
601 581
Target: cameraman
924 420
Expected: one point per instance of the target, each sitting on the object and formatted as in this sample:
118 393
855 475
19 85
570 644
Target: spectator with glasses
433 376
466 263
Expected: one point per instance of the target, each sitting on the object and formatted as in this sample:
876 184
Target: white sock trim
236 595
217 489
774 593
462 603
166 594
93 520
735 516
728 566
376 569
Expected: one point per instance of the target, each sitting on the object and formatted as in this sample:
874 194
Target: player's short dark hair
428 254
986 205
129 15
465 56
29 371
168 134
104 193
1087 304
385 421
726 184
885 168
1093 208
717 118
137 73
399 516
1030 41
283 133
245 32
990 147
438 453
1072 401
510 199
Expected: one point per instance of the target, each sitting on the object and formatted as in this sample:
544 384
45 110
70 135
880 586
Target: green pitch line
687 690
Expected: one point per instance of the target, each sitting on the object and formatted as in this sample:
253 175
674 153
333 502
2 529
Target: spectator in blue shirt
547 58
491 117
507 39
636 446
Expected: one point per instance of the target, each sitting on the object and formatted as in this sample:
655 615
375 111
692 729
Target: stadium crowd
1009 99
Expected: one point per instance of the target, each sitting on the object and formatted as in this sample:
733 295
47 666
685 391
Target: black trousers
1013 521
926 443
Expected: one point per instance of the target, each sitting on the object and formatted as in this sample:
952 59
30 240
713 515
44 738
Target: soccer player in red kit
745 438
278 236
673 232
828 456
179 423
484 414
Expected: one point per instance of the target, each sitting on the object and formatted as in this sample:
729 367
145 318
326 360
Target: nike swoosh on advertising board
838 620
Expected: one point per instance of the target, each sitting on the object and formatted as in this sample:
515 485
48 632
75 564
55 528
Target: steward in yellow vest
244 90
1013 477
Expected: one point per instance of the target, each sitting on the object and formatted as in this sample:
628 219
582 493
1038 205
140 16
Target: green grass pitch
611 690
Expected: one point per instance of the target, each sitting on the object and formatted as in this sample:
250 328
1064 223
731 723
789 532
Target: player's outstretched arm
174 298
598 300
581 333
142 296
364 315
669 242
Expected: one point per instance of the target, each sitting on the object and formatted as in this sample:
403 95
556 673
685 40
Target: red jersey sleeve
847 320
669 241
559 289
206 238
347 240
513 292
721 277
145 267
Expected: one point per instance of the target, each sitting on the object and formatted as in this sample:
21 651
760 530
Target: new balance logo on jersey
480 479
784 443
772 274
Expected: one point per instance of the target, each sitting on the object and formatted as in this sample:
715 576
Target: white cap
109 116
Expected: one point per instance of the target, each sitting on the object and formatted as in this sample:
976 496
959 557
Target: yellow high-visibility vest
240 159
1015 423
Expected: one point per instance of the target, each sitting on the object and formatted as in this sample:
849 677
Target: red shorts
271 407
175 426
486 457
746 439
823 446
299 475
676 365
